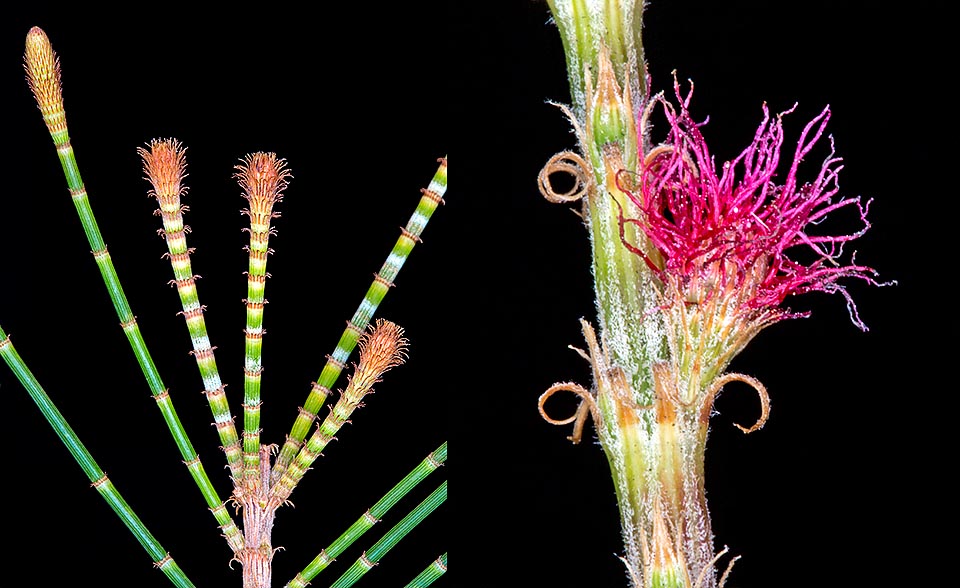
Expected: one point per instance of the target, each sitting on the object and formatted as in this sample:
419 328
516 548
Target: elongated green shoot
381 349
382 282
430 574
371 517
165 166
98 479
43 72
373 555
263 178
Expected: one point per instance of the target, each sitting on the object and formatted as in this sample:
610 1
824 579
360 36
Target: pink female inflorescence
733 231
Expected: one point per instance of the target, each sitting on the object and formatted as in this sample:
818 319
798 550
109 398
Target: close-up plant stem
684 332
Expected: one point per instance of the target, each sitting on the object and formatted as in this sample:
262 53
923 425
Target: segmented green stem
263 178
253 347
342 410
428 576
382 282
139 346
381 348
165 166
371 517
129 323
391 538
98 479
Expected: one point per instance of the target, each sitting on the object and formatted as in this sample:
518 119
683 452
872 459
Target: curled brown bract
587 406
565 162
754 383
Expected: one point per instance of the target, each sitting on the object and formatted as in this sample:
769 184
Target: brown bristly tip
43 74
165 166
382 347
263 177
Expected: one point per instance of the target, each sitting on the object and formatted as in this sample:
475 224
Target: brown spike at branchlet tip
43 74
165 166
263 178
382 347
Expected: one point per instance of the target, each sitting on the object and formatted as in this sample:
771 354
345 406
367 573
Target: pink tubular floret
737 223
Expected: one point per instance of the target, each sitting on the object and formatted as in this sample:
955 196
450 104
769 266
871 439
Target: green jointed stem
132 331
89 466
253 346
165 166
383 280
380 349
346 404
263 178
428 576
391 538
369 518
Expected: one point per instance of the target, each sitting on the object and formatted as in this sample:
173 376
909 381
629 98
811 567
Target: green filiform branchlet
430 574
263 178
165 166
382 282
259 489
370 518
43 75
372 556
381 348
98 479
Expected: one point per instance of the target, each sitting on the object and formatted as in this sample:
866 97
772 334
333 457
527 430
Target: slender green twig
381 349
370 557
371 517
165 165
382 282
43 71
430 574
98 479
263 178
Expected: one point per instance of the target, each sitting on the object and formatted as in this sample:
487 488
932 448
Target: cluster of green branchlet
258 488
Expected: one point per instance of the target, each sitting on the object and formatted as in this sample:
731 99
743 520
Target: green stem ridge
132 331
372 556
84 459
382 282
371 517
430 574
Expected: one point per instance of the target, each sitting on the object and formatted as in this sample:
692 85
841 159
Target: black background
361 102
